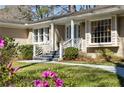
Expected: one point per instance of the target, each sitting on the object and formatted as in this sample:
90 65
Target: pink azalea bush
12 70
2 43
49 75
39 83
8 51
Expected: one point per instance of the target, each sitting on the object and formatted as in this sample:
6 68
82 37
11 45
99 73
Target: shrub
8 52
82 56
106 54
70 53
26 52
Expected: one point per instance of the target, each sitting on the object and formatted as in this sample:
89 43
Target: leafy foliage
25 51
49 79
70 53
106 54
109 56
8 52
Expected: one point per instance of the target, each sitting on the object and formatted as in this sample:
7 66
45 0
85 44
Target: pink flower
11 69
2 43
37 83
53 74
46 74
9 65
16 69
46 84
59 82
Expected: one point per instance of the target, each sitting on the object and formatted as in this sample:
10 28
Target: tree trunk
72 8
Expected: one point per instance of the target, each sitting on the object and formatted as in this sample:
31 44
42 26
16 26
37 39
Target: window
36 35
79 32
68 32
101 31
41 35
47 34
41 39
76 31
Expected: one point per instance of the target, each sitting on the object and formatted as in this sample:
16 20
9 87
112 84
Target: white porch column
72 32
60 51
34 50
87 36
56 39
114 34
52 37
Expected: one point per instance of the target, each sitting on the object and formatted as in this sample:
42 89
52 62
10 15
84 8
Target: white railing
77 43
83 44
68 43
37 50
62 46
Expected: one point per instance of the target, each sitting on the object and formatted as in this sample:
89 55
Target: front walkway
113 69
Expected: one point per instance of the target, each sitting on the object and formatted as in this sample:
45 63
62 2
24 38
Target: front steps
52 56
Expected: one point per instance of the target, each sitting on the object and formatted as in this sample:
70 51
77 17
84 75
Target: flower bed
49 75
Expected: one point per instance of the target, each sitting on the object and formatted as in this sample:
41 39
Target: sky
78 6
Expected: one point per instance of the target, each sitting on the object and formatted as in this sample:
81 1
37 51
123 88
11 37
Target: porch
84 32
58 37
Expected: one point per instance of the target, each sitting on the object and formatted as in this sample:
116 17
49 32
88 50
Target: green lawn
73 76
120 64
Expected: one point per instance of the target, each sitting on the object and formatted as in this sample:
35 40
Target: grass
73 76
120 64
97 63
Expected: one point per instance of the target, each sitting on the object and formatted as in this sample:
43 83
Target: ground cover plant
103 57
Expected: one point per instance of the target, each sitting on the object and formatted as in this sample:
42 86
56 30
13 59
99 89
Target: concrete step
52 56
46 59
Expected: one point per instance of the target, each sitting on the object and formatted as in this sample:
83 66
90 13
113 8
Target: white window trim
67 25
44 38
33 36
66 32
104 43
44 35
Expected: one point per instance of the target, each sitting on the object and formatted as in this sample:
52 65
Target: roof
57 17
13 21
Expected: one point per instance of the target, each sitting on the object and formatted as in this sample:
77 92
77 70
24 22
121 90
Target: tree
21 12
61 9
38 12
72 8
41 11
